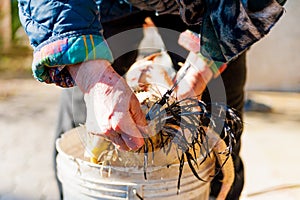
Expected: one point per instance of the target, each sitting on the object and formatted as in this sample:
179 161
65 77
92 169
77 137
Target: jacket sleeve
62 33
231 27
228 28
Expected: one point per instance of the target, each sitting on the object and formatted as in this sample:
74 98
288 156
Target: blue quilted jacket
64 32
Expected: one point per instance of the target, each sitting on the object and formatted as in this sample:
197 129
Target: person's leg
123 37
234 78
170 27
72 112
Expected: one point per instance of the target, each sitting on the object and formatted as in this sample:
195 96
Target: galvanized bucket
84 180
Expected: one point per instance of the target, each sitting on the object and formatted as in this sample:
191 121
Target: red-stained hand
194 82
113 110
198 74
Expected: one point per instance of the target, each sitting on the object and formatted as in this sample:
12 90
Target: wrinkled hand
194 81
113 110
198 74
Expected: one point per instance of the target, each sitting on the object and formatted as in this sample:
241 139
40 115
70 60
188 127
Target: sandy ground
28 111
270 148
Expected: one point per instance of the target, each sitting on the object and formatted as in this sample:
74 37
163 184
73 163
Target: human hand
113 111
196 74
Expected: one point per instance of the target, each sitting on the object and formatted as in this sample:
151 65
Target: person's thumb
136 112
139 117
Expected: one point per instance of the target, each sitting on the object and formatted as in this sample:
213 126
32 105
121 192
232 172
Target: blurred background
28 112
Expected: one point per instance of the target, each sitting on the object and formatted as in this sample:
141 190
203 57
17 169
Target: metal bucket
84 180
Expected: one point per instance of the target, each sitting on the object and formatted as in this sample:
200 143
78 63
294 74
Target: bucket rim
135 169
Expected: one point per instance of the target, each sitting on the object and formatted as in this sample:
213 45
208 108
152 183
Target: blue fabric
46 21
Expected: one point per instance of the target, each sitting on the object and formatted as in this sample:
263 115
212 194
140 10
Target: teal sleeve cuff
49 62
216 67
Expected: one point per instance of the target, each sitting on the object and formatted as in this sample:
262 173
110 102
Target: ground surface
27 120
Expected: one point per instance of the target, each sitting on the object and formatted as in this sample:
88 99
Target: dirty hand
196 77
194 80
113 111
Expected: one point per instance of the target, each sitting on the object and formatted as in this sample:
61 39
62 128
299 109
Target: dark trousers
234 78
72 109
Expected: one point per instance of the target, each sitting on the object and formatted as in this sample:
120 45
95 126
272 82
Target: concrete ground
270 148
28 112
